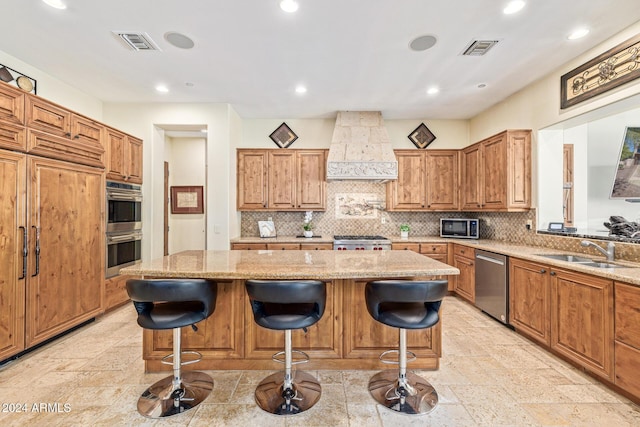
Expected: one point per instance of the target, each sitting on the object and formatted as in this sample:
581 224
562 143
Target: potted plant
307 226
404 230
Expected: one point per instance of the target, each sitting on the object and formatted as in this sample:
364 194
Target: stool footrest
277 357
395 362
168 359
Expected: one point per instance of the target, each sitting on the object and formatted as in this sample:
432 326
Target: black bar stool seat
404 304
286 305
174 304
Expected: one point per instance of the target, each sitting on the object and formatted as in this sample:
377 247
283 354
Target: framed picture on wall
187 200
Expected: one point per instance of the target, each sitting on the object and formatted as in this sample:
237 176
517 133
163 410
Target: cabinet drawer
316 246
627 306
433 248
55 147
12 137
248 246
464 251
627 374
406 247
283 246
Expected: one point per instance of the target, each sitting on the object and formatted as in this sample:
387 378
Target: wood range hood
361 149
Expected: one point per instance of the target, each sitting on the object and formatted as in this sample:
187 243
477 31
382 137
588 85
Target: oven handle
124 237
25 252
125 197
37 251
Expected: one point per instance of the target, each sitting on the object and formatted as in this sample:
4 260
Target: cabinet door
628 314
66 220
442 180
529 299
494 183
311 179
465 282
47 117
582 320
518 171
252 179
408 191
11 105
115 142
282 179
12 241
86 130
133 156
472 177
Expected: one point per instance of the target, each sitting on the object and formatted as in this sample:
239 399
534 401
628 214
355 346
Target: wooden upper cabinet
125 157
311 180
278 179
11 105
252 179
55 132
282 179
427 181
408 192
442 179
496 173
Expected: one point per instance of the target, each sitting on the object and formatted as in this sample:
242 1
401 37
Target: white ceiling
351 54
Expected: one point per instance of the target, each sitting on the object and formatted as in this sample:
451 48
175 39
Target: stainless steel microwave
461 228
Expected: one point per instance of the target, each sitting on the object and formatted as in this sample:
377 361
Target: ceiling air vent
136 40
479 47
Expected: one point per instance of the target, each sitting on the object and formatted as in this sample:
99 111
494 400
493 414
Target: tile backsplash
503 226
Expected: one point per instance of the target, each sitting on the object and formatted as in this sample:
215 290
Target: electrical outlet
383 220
487 222
529 224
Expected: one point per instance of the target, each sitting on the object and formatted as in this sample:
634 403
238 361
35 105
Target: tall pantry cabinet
51 230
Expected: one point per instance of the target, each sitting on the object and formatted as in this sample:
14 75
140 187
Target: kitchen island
345 338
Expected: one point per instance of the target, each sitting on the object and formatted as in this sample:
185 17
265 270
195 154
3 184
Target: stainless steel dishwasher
492 289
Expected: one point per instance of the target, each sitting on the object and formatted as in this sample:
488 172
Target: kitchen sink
568 258
604 265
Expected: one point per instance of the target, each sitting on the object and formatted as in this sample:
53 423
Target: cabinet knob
542 271
553 273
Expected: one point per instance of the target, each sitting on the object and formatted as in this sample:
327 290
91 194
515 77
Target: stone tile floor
489 376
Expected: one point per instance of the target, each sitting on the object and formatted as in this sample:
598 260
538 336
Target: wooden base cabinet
529 307
627 338
465 283
346 337
582 320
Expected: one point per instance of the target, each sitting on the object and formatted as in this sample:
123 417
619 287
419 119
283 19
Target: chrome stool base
163 400
270 393
420 396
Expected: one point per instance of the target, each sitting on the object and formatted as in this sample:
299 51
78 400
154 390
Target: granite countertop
629 273
265 264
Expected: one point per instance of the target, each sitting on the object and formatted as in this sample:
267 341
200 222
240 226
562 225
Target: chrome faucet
609 253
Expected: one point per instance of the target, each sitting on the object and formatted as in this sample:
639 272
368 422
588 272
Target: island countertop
266 264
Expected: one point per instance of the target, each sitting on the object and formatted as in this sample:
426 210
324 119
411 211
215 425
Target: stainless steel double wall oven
124 226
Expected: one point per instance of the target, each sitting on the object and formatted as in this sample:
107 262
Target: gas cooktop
349 237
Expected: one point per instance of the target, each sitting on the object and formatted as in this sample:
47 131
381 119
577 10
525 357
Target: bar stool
405 305
286 305
174 304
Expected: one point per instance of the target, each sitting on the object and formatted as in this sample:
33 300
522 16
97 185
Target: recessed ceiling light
432 90
513 7
422 43
578 33
189 84
179 40
482 85
289 6
301 89
58 4
162 89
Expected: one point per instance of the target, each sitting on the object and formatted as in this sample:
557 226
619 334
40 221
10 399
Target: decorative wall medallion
613 68
283 136
422 136
17 79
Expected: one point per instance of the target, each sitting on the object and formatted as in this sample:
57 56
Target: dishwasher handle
486 258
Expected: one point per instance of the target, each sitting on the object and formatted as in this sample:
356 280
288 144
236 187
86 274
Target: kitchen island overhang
345 338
